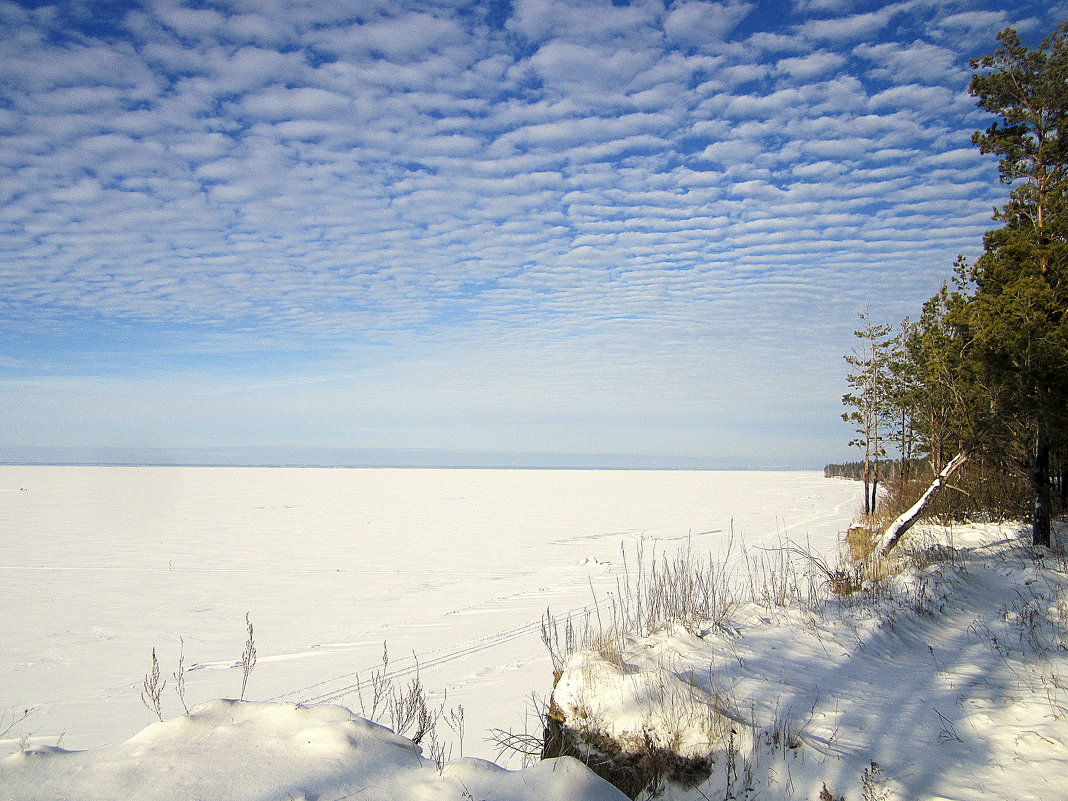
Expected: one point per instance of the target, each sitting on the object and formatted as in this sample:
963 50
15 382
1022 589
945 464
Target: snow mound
947 681
245 750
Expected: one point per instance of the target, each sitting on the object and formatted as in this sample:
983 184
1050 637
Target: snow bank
947 681
245 750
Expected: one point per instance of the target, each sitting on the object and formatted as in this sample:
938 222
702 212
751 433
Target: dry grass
653 593
860 542
700 596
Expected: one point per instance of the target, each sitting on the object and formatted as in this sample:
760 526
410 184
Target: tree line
892 470
980 376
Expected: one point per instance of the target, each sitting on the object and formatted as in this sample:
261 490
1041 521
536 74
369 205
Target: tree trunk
1042 522
898 528
867 487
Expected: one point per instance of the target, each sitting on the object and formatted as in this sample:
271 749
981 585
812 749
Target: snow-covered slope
948 681
238 750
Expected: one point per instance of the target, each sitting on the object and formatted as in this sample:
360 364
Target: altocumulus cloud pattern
637 215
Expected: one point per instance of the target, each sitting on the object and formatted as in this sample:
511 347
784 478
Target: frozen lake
455 567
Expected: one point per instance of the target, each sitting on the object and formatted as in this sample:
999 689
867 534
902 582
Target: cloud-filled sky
573 226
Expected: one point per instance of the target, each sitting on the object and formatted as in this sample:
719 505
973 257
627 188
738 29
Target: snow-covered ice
452 568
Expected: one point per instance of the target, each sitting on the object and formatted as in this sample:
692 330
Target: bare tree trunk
936 443
874 486
898 528
867 487
1042 522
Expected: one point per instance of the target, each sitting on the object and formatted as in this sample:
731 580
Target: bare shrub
9 720
248 656
381 688
151 695
874 783
179 675
410 712
860 541
679 590
652 594
981 491
561 646
455 721
686 590
776 580
528 745
407 709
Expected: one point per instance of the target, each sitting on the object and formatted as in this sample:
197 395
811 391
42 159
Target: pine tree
942 393
870 383
1016 319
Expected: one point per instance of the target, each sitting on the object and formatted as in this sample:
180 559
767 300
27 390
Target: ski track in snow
411 666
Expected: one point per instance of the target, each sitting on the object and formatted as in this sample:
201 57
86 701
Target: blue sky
559 227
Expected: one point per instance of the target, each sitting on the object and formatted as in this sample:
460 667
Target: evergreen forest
972 393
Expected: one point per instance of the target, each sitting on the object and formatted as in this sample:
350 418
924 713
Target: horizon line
374 458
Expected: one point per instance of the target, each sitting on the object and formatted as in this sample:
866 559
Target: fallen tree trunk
898 528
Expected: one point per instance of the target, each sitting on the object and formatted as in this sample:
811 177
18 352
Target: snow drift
250 751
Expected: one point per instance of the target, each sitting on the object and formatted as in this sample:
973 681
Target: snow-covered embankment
947 680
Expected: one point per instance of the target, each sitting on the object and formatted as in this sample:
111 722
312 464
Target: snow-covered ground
102 564
948 681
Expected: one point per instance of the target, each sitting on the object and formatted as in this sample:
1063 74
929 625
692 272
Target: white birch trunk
897 529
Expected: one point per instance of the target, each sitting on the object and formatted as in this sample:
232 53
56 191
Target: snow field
101 564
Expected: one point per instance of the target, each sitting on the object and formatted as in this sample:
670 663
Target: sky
583 227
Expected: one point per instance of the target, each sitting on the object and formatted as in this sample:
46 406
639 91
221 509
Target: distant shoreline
299 466
380 458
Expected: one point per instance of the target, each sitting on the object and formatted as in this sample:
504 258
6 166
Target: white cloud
258 28
740 74
916 97
811 66
839 6
85 191
854 27
583 20
918 61
575 67
704 25
988 22
190 22
403 38
731 151
281 103
852 148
